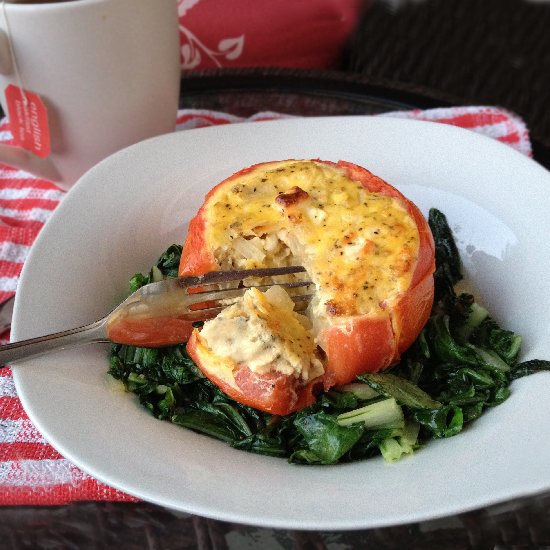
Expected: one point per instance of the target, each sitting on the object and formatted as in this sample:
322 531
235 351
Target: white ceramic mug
108 72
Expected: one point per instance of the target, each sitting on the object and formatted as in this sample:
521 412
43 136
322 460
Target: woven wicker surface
134 526
480 51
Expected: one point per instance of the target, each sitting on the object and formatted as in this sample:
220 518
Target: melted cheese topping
263 332
359 248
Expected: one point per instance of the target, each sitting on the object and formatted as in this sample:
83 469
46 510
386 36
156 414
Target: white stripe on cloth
12 252
495 130
8 284
11 174
33 214
10 193
7 388
438 113
269 115
20 430
39 473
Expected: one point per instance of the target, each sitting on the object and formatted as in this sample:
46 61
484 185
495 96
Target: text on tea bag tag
28 120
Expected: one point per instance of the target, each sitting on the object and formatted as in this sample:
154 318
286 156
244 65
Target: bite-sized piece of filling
263 332
366 248
260 352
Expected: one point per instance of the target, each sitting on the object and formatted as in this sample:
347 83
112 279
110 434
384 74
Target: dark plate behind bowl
244 92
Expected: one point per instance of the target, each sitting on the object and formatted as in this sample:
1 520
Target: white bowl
124 212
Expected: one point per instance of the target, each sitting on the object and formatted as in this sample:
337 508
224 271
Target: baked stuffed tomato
368 251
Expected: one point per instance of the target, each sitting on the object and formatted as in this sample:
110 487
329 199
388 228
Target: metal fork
189 298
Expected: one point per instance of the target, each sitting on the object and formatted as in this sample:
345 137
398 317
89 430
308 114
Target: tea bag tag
27 113
28 118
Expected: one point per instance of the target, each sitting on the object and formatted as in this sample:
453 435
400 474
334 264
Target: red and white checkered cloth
33 472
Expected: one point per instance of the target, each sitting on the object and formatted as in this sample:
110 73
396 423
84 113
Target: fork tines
218 277
203 314
206 303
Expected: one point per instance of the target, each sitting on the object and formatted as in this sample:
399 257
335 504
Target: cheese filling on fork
262 331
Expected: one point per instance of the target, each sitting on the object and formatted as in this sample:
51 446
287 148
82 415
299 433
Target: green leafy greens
461 364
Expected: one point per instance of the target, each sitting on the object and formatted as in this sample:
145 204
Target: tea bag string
18 77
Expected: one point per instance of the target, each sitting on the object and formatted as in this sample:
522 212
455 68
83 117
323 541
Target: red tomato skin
361 345
196 257
353 346
152 333
412 313
273 392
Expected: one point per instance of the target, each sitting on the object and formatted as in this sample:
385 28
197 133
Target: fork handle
25 349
